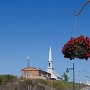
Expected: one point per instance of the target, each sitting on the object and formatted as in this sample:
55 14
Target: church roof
29 68
32 69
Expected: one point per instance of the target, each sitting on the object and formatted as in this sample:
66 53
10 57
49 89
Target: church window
26 74
30 73
49 64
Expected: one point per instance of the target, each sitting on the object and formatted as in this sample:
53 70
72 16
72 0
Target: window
26 74
49 64
30 73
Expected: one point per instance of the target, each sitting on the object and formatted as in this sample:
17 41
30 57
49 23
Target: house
32 72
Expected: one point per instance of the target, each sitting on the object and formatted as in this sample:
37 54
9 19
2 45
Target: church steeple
50 68
50 59
50 62
50 54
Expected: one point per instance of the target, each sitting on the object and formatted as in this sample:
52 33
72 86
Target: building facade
31 72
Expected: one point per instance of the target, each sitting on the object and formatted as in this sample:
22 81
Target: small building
31 72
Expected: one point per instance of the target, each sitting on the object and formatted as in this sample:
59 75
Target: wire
76 26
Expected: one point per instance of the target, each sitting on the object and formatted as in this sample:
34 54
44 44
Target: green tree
65 76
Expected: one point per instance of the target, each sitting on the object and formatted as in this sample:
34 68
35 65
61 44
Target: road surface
86 88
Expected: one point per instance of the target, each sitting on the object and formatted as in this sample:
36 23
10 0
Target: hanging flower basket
77 48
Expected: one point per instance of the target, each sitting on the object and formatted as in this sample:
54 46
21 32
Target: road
86 88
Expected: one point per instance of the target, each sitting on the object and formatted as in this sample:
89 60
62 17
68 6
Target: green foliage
42 81
20 84
59 84
4 79
65 77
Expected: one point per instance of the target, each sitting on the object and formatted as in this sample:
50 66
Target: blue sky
29 27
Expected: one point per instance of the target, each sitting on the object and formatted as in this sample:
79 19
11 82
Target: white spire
50 54
50 59
50 66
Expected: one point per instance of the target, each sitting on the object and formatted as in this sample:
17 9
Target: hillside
11 82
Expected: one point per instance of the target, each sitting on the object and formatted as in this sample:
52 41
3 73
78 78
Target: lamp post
73 77
73 68
79 79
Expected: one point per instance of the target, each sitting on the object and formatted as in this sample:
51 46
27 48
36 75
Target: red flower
77 48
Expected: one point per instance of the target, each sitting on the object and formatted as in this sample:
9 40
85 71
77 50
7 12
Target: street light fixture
73 68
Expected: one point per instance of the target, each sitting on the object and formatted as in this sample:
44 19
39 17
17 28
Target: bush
4 79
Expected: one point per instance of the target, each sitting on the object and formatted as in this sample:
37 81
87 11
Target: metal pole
73 77
28 61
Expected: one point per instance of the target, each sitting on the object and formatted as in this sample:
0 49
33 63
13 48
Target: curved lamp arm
77 13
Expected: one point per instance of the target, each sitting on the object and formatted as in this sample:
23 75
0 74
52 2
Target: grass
58 84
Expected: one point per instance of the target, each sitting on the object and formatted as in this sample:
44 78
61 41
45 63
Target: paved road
86 88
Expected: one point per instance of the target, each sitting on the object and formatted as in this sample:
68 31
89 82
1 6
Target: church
50 68
32 72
